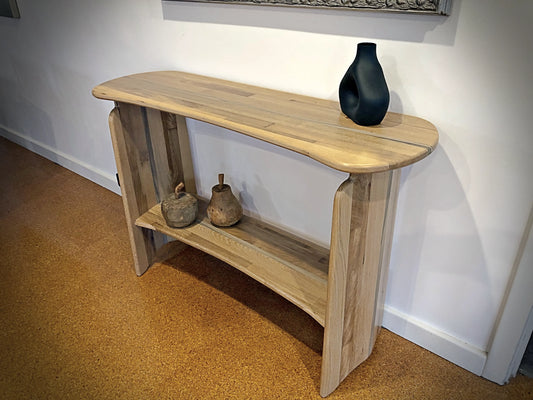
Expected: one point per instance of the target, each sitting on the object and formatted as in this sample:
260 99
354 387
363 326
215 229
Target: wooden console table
341 287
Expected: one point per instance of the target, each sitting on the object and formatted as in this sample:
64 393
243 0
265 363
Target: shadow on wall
372 24
437 249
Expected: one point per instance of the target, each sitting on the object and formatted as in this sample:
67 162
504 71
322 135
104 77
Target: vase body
363 93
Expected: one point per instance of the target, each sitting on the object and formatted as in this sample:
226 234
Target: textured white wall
461 212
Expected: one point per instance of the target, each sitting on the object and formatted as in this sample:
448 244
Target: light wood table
341 287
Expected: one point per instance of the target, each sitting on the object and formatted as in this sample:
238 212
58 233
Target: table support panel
153 155
362 226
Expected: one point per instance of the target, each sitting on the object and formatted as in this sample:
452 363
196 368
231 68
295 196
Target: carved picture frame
440 7
9 8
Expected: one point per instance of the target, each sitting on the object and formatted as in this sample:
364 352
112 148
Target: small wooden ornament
180 209
224 209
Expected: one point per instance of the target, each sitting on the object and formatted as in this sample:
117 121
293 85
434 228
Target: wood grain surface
152 154
292 267
310 126
361 233
137 187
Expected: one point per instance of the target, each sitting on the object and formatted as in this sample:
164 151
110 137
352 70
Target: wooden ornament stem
179 188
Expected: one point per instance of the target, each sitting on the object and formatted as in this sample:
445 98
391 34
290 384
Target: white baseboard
75 165
448 347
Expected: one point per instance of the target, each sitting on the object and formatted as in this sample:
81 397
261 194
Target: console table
341 287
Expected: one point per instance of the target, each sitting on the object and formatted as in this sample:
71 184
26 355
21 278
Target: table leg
149 163
362 227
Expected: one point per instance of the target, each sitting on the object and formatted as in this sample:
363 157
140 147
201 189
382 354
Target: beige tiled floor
76 323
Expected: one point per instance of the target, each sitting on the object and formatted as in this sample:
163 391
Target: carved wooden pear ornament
224 209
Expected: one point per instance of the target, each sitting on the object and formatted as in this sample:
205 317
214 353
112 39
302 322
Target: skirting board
444 345
77 166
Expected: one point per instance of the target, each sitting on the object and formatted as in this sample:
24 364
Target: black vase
363 92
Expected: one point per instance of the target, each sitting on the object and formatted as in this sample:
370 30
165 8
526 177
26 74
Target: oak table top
310 126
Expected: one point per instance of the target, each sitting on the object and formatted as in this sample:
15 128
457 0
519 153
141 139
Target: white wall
461 212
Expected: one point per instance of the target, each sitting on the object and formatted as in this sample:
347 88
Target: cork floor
77 323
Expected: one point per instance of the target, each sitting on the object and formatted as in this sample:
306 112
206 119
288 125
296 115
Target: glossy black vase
363 92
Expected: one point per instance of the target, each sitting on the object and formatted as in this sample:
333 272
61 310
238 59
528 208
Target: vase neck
366 49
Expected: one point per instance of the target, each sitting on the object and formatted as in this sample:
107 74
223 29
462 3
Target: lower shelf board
293 267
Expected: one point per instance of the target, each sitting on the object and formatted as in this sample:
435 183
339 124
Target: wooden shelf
293 267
